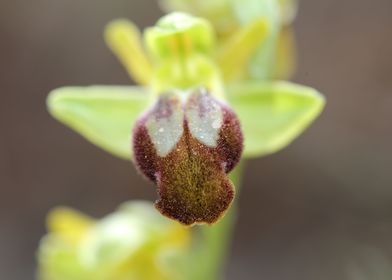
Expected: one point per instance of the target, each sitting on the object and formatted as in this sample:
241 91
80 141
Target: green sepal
104 115
273 114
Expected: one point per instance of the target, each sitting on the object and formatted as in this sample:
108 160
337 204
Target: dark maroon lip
192 181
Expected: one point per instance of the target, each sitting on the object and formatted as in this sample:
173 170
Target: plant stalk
212 247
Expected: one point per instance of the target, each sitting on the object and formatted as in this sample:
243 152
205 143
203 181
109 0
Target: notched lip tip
195 223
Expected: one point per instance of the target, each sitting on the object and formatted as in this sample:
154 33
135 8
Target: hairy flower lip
187 147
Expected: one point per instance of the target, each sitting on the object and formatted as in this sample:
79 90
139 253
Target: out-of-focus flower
133 243
195 110
275 56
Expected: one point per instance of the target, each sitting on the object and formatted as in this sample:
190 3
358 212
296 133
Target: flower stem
213 244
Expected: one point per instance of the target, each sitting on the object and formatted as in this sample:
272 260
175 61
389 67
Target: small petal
124 39
192 175
235 54
289 9
285 60
262 61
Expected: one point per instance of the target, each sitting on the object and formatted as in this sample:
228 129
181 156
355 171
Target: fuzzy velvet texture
193 185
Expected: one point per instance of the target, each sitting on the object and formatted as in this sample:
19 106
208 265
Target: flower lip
187 147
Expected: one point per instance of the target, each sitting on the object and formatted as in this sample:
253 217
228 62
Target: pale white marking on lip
165 124
216 124
205 117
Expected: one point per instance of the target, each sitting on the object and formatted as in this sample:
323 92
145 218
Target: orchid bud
186 144
119 246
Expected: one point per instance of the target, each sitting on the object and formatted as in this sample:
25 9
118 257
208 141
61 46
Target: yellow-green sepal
104 115
273 114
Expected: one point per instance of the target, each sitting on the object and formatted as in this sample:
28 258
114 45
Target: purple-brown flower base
187 147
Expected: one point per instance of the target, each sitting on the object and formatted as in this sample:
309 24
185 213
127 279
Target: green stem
210 253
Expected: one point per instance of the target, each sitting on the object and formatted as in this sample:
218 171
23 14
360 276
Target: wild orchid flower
205 102
275 56
197 121
133 243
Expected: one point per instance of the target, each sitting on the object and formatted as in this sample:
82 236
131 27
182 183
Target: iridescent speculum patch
186 144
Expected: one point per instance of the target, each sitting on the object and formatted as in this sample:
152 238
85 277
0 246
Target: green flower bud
133 243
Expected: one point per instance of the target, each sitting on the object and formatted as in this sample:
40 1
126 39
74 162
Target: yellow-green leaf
273 114
104 115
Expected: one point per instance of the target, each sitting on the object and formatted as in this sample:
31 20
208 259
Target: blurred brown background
320 209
